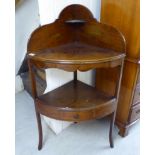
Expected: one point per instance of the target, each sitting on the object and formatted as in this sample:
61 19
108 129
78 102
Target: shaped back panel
76 23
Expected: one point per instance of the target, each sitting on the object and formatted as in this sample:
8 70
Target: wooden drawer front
136 98
134 113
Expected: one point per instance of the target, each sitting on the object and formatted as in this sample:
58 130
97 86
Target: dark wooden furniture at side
76 41
124 15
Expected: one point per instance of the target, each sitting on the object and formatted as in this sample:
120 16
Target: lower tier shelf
75 101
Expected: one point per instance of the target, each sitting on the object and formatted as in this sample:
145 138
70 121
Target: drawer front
136 98
134 113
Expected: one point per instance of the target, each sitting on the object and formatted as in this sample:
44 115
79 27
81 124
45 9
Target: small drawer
134 113
136 98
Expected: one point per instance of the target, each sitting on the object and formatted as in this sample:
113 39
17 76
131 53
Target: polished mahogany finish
79 103
76 41
125 16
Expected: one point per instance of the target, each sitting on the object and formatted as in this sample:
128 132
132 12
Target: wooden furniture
124 15
75 41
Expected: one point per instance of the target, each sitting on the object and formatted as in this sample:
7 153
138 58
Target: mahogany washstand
75 41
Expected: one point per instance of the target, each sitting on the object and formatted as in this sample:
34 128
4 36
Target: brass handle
75 21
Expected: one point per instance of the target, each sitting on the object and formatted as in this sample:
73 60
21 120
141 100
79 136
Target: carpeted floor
86 138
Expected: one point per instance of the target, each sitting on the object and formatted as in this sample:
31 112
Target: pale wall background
26 20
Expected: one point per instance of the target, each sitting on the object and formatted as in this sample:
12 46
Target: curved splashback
76 24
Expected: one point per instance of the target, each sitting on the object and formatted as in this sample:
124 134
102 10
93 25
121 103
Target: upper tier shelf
76 53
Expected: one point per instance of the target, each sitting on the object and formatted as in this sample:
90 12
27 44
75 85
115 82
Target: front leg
39 130
111 130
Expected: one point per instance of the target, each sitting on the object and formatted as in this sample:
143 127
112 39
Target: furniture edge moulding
75 67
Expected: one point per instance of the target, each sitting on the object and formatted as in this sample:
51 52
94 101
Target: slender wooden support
75 75
111 130
33 81
75 79
39 131
34 94
117 89
113 115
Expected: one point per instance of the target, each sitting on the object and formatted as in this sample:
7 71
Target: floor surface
86 138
